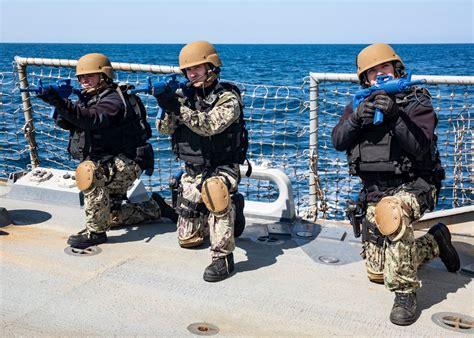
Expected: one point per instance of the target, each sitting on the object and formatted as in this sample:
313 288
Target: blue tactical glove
168 101
387 105
51 97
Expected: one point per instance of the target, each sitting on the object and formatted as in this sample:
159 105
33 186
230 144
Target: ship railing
274 117
289 129
330 184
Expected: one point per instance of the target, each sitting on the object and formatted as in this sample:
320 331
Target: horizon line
241 43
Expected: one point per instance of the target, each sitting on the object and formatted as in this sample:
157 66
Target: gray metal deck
144 284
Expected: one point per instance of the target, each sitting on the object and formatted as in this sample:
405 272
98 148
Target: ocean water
262 64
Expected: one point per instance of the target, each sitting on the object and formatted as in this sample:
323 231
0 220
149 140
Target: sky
230 21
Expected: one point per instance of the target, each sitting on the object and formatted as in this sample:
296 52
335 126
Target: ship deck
143 284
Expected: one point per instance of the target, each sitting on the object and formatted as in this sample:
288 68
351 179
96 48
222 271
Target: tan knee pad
388 215
215 196
85 175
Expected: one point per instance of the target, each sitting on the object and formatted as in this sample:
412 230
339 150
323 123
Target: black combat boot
447 252
404 309
85 239
239 224
220 269
166 210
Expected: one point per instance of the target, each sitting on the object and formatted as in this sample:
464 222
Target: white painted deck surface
144 284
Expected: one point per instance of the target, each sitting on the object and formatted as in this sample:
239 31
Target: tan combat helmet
198 53
374 55
94 63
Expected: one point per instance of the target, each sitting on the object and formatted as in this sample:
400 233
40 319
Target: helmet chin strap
98 88
210 76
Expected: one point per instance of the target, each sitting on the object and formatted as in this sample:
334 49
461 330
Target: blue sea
264 63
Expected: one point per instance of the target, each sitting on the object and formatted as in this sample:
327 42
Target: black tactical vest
379 151
228 147
126 137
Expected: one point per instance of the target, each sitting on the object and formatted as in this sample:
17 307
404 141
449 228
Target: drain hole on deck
91 251
304 234
269 240
328 259
454 322
203 329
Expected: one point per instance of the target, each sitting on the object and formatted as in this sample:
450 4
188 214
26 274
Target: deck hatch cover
454 322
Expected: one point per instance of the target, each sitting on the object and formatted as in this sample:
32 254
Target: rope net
279 124
13 150
274 116
453 103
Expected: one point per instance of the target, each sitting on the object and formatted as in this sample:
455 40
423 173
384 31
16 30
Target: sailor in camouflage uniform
401 174
208 134
108 134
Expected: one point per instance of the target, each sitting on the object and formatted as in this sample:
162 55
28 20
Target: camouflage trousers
104 206
220 228
399 259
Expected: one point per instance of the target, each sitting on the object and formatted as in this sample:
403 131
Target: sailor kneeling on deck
209 135
108 134
398 163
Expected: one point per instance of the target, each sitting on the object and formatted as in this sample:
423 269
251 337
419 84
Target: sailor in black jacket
108 135
398 163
